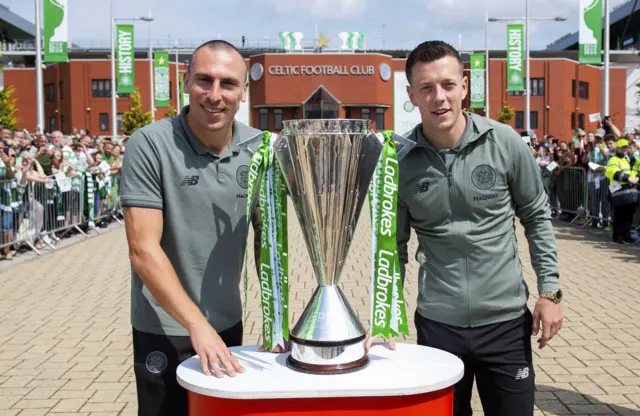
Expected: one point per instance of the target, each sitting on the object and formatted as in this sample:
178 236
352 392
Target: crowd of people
575 177
53 186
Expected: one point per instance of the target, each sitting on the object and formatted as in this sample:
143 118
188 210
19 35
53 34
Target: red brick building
298 85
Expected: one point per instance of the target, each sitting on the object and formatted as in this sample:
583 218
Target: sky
385 23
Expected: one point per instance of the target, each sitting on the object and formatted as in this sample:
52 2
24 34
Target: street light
114 124
527 87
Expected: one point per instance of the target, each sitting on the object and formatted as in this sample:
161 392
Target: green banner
125 63
388 312
590 34
161 74
515 57
181 104
55 30
476 67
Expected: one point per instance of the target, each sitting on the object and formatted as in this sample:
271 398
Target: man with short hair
460 189
184 193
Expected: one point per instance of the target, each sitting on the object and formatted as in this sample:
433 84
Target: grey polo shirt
203 199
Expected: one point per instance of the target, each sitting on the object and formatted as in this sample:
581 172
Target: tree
135 118
506 113
171 113
8 108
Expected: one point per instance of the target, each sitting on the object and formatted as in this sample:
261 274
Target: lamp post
114 124
39 82
527 87
605 89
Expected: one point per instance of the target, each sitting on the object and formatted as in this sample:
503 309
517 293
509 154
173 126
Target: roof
15 27
617 14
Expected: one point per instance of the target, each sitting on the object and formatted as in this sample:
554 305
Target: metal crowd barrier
584 195
35 211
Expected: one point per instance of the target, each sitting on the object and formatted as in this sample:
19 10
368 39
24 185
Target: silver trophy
328 166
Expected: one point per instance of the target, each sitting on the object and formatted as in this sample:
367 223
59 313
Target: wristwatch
554 296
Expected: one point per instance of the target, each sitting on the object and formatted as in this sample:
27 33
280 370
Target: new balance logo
522 373
421 187
190 180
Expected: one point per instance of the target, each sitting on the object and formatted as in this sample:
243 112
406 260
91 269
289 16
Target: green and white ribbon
388 311
273 278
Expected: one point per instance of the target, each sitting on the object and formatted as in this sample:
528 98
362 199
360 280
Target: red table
411 381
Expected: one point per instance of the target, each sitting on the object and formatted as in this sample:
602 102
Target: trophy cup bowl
328 166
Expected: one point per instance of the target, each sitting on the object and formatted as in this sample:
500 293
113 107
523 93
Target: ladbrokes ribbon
388 311
273 276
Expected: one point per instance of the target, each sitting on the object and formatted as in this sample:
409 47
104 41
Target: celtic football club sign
477 80
161 74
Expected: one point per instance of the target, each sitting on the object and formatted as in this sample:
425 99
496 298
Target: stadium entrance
321 104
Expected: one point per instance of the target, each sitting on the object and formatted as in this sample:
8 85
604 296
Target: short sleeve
141 179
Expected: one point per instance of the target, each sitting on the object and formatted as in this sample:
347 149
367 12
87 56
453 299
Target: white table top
411 369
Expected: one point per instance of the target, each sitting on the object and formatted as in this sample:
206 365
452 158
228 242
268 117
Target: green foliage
8 108
171 113
135 118
506 114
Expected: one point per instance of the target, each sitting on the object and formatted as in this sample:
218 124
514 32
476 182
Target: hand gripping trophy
327 167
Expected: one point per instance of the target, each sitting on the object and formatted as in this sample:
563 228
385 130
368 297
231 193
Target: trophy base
327 369
316 357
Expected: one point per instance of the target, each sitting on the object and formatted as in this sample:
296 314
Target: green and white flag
55 30
590 34
352 40
515 57
125 64
162 85
291 41
184 96
477 66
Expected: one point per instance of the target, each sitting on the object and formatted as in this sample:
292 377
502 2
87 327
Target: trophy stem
328 338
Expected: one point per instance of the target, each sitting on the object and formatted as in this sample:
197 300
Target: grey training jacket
464 217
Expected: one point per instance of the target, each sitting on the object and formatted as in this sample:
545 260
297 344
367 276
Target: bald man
184 193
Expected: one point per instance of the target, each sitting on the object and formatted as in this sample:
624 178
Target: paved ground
65 345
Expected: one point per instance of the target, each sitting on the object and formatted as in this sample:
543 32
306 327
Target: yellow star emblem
323 41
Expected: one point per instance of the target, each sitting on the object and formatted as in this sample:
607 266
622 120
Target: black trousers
156 359
622 221
498 356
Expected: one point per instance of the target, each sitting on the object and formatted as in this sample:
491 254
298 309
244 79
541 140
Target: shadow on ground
599 239
552 400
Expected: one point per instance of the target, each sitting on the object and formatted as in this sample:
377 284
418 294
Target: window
365 114
533 120
537 86
583 90
52 124
104 122
50 92
573 88
519 119
294 116
347 112
573 121
379 118
101 88
62 123
581 121
119 121
515 93
264 119
277 119
61 91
